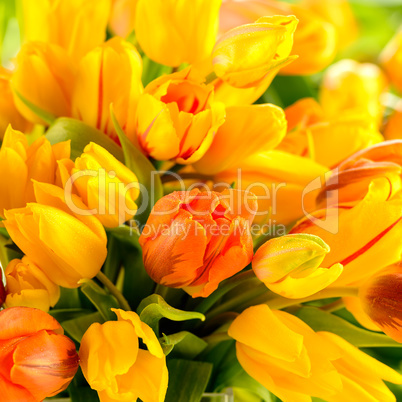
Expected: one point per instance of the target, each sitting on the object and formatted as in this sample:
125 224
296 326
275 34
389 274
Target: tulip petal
14 393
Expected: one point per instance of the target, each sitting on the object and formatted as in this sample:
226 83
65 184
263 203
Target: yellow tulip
339 14
76 25
354 305
68 246
350 86
279 180
246 55
122 17
391 60
364 238
177 117
9 114
105 185
247 130
290 265
284 355
28 285
45 77
98 85
362 375
182 32
314 40
115 366
325 141
304 113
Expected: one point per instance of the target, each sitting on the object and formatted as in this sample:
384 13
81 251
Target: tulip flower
350 86
325 141
392 129
284 354
182 32
68 246
45 21
28 285
290 265
380 299
122 17
362 375
105 185
177 117
45 77
364 238
314 41
20 164
194 240
245 55
37 361
247 130
280 182
9 114
354 305
350 181
304 113
97 86
115 366
391 60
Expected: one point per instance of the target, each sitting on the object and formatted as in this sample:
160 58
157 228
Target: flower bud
44 76
290 265
182 32
381 298
98 86
68 246
28 286
177 117
194 240
37 361
122 17
105 185
245 55
115 366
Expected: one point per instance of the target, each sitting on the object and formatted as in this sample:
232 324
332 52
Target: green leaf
154 307
148 177
151 70
80 391
42 114
183 345
102 300
320 320
68 314
187 380
69 299
81 135
77 327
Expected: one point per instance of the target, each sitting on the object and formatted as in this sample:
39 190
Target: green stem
217 337
161 290
334 306
114 291
226 287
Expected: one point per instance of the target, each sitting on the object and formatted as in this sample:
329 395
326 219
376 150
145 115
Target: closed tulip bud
122 17
391 60
381 300
97 86
37 361
182 32
9 113
177 117
115 366
247 130
44 21
28 285
284 354
106 186
68 246
20 164
349 182
351 86
44 76
290 265
194 240
245 55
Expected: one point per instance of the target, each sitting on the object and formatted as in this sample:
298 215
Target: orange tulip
36 360
391 60
177 117
393 126
194 240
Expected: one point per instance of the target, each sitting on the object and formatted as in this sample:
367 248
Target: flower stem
334 306
123 303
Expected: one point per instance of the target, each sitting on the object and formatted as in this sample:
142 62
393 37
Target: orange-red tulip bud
36 360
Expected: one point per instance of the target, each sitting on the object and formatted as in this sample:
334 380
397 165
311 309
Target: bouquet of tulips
200 199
